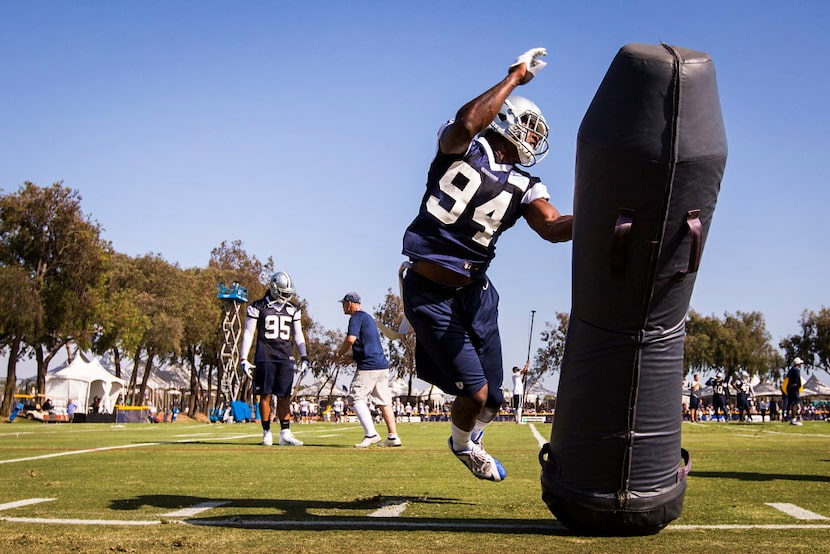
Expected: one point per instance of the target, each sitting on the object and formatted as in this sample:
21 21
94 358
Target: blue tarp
241 411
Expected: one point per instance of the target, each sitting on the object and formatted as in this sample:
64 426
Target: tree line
62 286
732 343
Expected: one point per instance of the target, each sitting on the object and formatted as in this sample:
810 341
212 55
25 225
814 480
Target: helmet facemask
521 122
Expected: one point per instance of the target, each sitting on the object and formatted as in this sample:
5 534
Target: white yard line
123 446
73 452
43 520
396 524
390 509
795 511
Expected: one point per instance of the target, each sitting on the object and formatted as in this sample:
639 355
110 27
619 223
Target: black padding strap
622 229
695 229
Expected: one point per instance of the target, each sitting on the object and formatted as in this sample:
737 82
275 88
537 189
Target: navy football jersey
470 200
277 324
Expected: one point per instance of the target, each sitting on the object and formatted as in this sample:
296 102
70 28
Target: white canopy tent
164 385
767 389
400 388
538 392
813 387
82 381
433 395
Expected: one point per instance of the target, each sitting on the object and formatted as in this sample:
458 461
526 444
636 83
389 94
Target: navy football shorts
457 345
794 395
275 378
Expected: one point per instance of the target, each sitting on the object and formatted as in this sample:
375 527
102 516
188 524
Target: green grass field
188 486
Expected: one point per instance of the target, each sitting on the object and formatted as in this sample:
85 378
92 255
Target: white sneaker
288 439
368 441
391 442
480 463
796 422
267 438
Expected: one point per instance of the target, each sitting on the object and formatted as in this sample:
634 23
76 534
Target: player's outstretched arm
476 115
545 219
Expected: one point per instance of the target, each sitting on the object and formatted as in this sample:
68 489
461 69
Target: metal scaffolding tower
233 298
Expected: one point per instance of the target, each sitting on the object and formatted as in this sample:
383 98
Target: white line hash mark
390 509
197 509
795 511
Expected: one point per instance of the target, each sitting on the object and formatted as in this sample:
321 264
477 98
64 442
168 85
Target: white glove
246 367
304 366
532 61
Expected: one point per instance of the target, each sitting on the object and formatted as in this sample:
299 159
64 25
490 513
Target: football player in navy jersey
277 323
720 397
475 192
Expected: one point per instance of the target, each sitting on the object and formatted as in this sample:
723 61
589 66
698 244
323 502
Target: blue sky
305 129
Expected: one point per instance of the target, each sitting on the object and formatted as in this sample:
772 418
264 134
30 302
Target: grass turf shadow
297 514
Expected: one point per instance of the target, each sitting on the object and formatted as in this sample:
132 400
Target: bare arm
342 352
548 223
476 115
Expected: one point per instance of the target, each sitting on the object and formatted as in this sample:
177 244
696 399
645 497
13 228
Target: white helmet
719 375
281 286
521 122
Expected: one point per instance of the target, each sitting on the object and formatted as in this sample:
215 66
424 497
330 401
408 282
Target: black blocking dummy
651 153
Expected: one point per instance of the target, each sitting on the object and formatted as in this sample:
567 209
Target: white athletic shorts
371 383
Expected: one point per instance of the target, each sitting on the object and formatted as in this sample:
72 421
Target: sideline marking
27 502
795 511
390 509
197 509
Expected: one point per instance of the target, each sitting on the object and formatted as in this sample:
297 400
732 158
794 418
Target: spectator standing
337 406
71 408
305 408
794 391
371 380
694 398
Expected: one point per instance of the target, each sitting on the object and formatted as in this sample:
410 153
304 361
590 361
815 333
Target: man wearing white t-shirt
519 390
